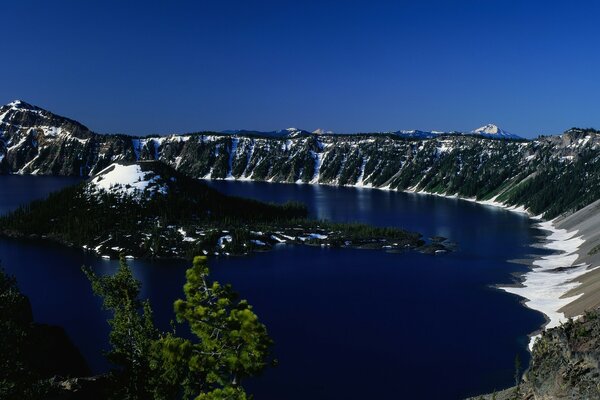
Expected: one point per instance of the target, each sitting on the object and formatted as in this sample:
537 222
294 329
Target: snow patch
552 276
127 180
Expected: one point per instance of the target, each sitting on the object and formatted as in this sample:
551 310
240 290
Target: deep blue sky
177 66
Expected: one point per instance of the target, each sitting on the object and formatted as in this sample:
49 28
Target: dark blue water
16 190
348 324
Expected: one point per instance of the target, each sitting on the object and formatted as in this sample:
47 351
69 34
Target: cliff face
565 361
549 175
36 141
565 364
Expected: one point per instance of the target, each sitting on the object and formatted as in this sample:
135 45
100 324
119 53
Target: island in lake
149 210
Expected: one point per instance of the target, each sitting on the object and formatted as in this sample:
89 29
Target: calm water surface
348 324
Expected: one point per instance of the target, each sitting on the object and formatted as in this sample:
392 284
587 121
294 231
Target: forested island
149 210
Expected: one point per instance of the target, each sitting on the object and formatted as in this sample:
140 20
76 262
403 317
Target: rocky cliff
564 365
518 172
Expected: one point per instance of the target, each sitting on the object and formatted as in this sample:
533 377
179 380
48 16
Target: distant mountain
417 134
491 130
289 132
19 115
321 131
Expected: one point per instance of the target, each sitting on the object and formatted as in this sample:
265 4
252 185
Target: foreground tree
132 334
230 342
16 375
33 357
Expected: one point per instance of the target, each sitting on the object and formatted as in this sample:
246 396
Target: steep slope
36 141
564 364
523 173
518 172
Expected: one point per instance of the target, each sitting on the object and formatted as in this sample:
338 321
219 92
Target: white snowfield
551 276
127 180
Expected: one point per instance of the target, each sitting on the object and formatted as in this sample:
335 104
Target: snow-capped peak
489 128
19 104
321 131
493 131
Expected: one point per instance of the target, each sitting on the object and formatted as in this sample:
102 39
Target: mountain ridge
292 132
35 141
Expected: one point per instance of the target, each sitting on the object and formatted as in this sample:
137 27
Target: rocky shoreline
564 365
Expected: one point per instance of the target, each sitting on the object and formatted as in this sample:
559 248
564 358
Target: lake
348 324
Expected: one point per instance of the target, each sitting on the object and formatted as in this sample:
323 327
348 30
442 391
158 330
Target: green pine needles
228 342
132 334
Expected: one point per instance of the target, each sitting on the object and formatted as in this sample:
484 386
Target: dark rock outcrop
565 364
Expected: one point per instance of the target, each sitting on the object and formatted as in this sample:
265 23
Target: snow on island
127 180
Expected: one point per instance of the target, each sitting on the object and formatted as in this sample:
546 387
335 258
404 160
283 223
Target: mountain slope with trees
549 175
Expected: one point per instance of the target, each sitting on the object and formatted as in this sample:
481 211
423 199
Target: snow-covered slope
34 140
128 180
491 130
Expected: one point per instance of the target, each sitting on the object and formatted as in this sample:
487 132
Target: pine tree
230 345
17 378
132 331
